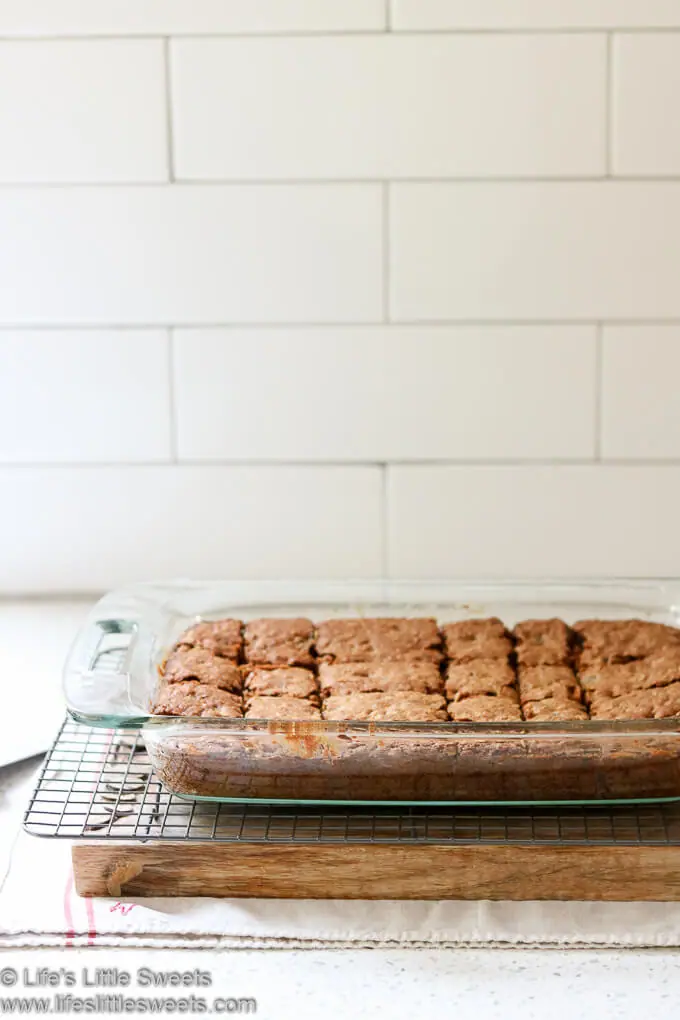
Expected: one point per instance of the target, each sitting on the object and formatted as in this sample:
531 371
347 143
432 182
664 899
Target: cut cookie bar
481 676
371 640
221 637
279 642
198 664
467 640
381 677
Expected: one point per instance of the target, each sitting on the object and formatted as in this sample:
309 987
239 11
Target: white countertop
35 637
461 984
476 983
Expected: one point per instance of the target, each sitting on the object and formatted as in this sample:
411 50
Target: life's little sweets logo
104 977
111 990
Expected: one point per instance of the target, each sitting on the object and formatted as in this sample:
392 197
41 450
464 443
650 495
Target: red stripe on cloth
91 928
69 934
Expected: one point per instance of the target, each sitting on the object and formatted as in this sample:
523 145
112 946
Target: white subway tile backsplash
389 106
94 395
640 407
511 521
252 250
516 251
646 104
166 17
82 111
538 14
385 393
92 528
156 255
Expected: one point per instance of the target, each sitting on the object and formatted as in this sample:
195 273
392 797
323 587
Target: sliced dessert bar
221 637
542 643
484 708
540 683
283 681
384 677
554 710
467 640
198 664
282 708
371 640
616 641
481 676
616 679
279 642
400 706
654 703
192 698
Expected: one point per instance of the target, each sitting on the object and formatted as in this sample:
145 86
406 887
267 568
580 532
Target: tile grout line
274 183
386 251
172 407
334 324
597 29
170 140
598 393
384 522
608 162
388 15
481 463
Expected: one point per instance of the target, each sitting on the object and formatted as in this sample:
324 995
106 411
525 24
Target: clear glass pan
111 677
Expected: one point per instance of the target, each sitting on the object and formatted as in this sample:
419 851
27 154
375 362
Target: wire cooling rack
99 784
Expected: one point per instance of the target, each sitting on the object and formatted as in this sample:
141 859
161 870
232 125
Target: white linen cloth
39 907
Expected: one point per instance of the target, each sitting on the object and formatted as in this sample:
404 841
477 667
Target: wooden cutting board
378 871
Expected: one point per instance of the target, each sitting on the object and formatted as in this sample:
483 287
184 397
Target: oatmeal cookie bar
284 681
279 642
467 640
542 643
539 683
654 703
616 679
198 664
400 706
191 698
616 641
370 640
485 708
282 708
481 676
382 677
554 710
221 637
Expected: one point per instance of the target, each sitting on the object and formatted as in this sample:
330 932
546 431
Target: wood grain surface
378 871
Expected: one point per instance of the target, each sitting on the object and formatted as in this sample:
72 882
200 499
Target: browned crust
542 642
619 641
414 639
655 703
481 676
467 640
286 681
282 708
402 706
617 679
485 708
538 683
379 677
220 637
191 698
198 664
625 668
279 642
554 710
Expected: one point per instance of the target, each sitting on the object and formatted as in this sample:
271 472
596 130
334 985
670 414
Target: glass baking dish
112 673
